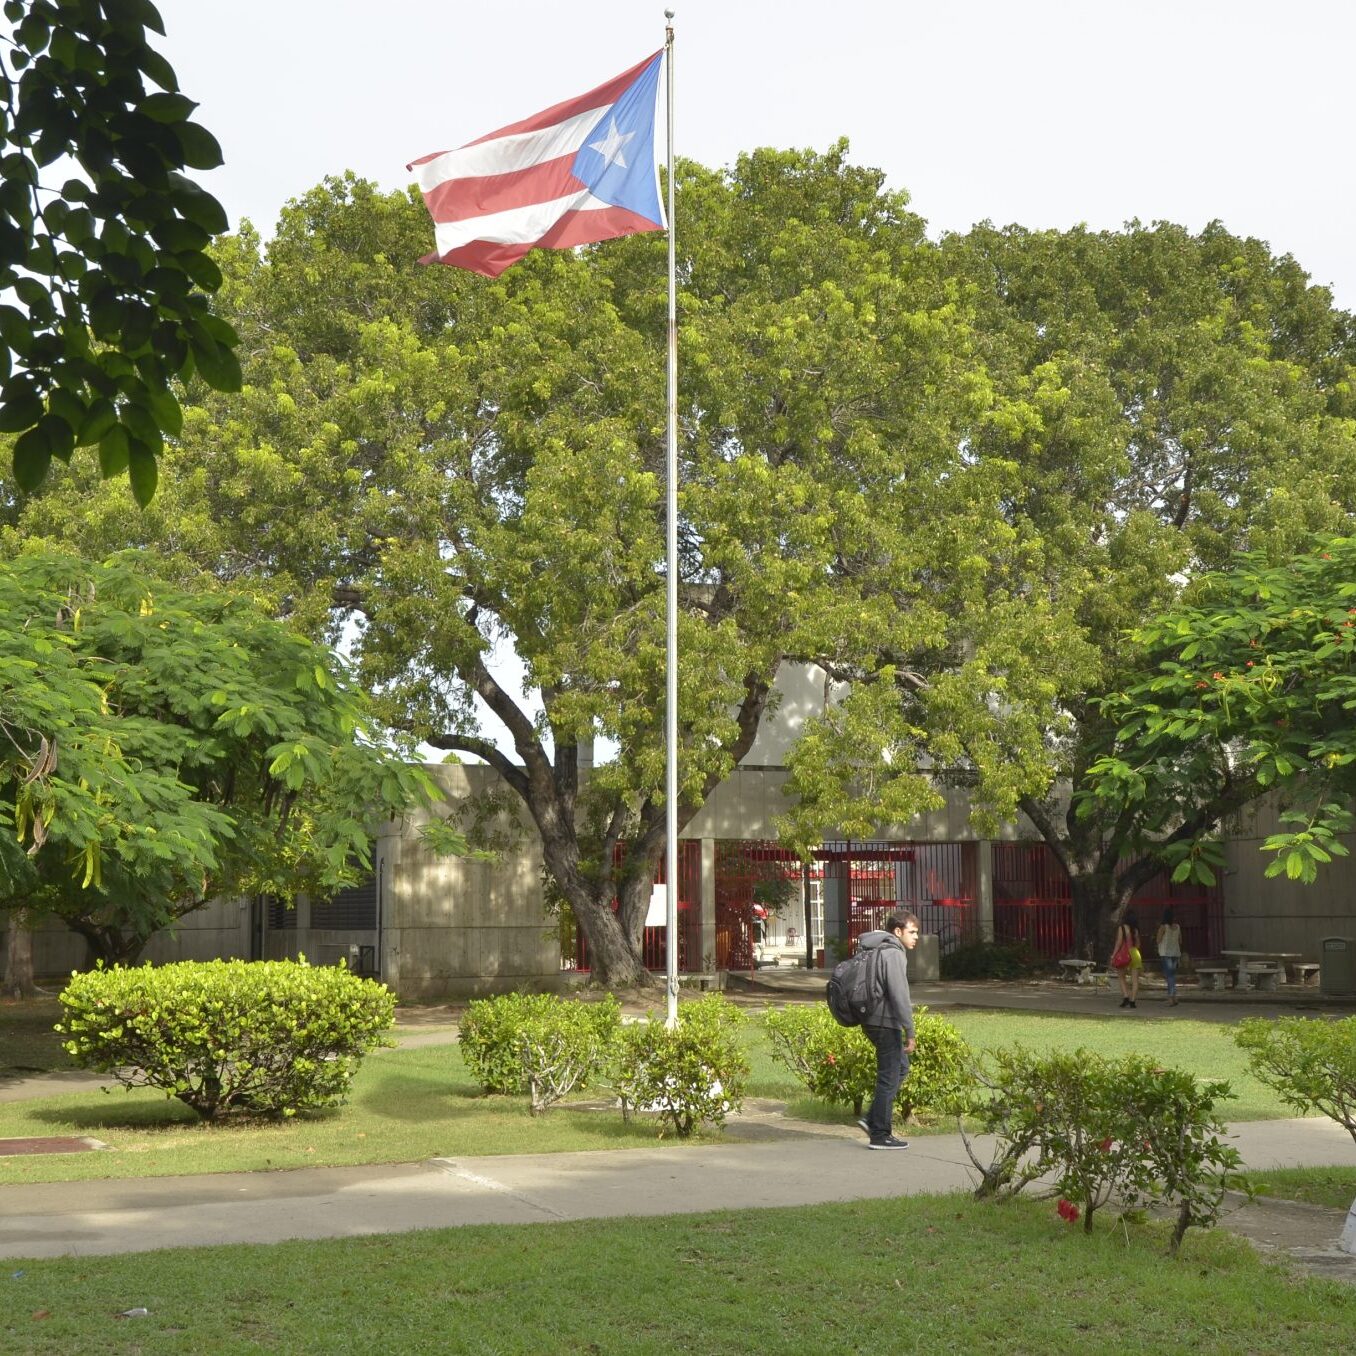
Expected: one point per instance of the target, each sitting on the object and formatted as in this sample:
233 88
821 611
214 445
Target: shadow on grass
169 1114
407 1097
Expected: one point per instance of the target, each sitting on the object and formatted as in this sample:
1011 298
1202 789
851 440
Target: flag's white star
610 147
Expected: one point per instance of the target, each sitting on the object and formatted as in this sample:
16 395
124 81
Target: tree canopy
1166 398
105 276
162 746
451 463
955 475
1248 686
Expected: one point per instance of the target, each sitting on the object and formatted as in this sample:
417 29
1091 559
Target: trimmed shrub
939 1078
1309 1061
837 1064
990 960
267 1038
693 1074
563 1047
490 1036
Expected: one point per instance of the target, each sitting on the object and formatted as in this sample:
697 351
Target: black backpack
852 986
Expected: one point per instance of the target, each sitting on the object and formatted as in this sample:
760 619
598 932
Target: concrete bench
706 982
1213 976
1263 978
1101 979
1080 971
1304 972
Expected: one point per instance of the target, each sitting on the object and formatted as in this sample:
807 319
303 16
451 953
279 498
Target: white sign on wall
658 915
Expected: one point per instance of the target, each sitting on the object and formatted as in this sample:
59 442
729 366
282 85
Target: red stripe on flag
458 199
596 98
491 258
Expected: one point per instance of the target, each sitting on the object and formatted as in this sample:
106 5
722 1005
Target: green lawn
1333 1187
27 1041
413 1104
921 1274
405 1105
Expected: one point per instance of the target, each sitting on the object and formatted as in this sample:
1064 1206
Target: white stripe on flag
506 154
517 227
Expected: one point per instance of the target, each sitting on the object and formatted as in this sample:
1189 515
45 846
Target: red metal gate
1033 903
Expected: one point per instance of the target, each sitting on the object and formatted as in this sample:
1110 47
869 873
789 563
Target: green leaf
32 458
142 471
217 365
20 412
114 452
101 416
200 148
167 107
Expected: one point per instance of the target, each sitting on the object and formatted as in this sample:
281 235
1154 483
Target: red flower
830 1059
1068 1211
1106 1145
1217 675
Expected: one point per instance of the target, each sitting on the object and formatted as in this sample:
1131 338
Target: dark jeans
892 1068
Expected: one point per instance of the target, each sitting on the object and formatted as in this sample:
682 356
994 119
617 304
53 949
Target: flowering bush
1103 1129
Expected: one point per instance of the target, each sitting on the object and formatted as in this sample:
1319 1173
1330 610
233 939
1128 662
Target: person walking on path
889 1023
1126 959
1169 943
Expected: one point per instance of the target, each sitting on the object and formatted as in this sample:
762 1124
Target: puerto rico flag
581 171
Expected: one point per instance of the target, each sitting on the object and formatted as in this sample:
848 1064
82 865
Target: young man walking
889 1023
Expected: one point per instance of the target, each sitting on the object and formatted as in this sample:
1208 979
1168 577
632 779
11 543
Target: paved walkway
804 1164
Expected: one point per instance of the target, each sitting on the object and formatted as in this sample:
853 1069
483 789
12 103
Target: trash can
925 960
1337 966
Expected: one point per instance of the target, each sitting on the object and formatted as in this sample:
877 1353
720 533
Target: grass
1333 1187
405 1105
27 1042
914 1275
419 1103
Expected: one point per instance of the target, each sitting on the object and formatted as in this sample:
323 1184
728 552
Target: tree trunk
614 960
108 943
19 981
1097 906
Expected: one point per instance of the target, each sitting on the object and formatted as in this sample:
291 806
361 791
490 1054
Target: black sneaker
866 1129
889 1142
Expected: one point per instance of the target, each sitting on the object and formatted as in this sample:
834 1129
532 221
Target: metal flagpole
671 601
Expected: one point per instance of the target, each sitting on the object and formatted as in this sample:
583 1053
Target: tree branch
482 748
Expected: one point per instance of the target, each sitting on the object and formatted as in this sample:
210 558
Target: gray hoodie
890 1005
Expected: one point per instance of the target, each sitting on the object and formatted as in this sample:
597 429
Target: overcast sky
1044 112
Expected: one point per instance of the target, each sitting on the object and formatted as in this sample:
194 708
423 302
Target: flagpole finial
668 14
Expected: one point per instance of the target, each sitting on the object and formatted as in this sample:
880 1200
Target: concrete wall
1277 914
221 928
453 927
748 803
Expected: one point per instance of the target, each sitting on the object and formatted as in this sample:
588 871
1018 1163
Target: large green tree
181 745
449 464
1169 398
104 275
1247 687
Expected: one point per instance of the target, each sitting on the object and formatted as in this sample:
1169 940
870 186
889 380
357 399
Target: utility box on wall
1337 966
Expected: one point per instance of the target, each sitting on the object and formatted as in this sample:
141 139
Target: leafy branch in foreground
104 278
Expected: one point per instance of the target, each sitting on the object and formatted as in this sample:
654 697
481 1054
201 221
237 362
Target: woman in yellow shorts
1126 959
